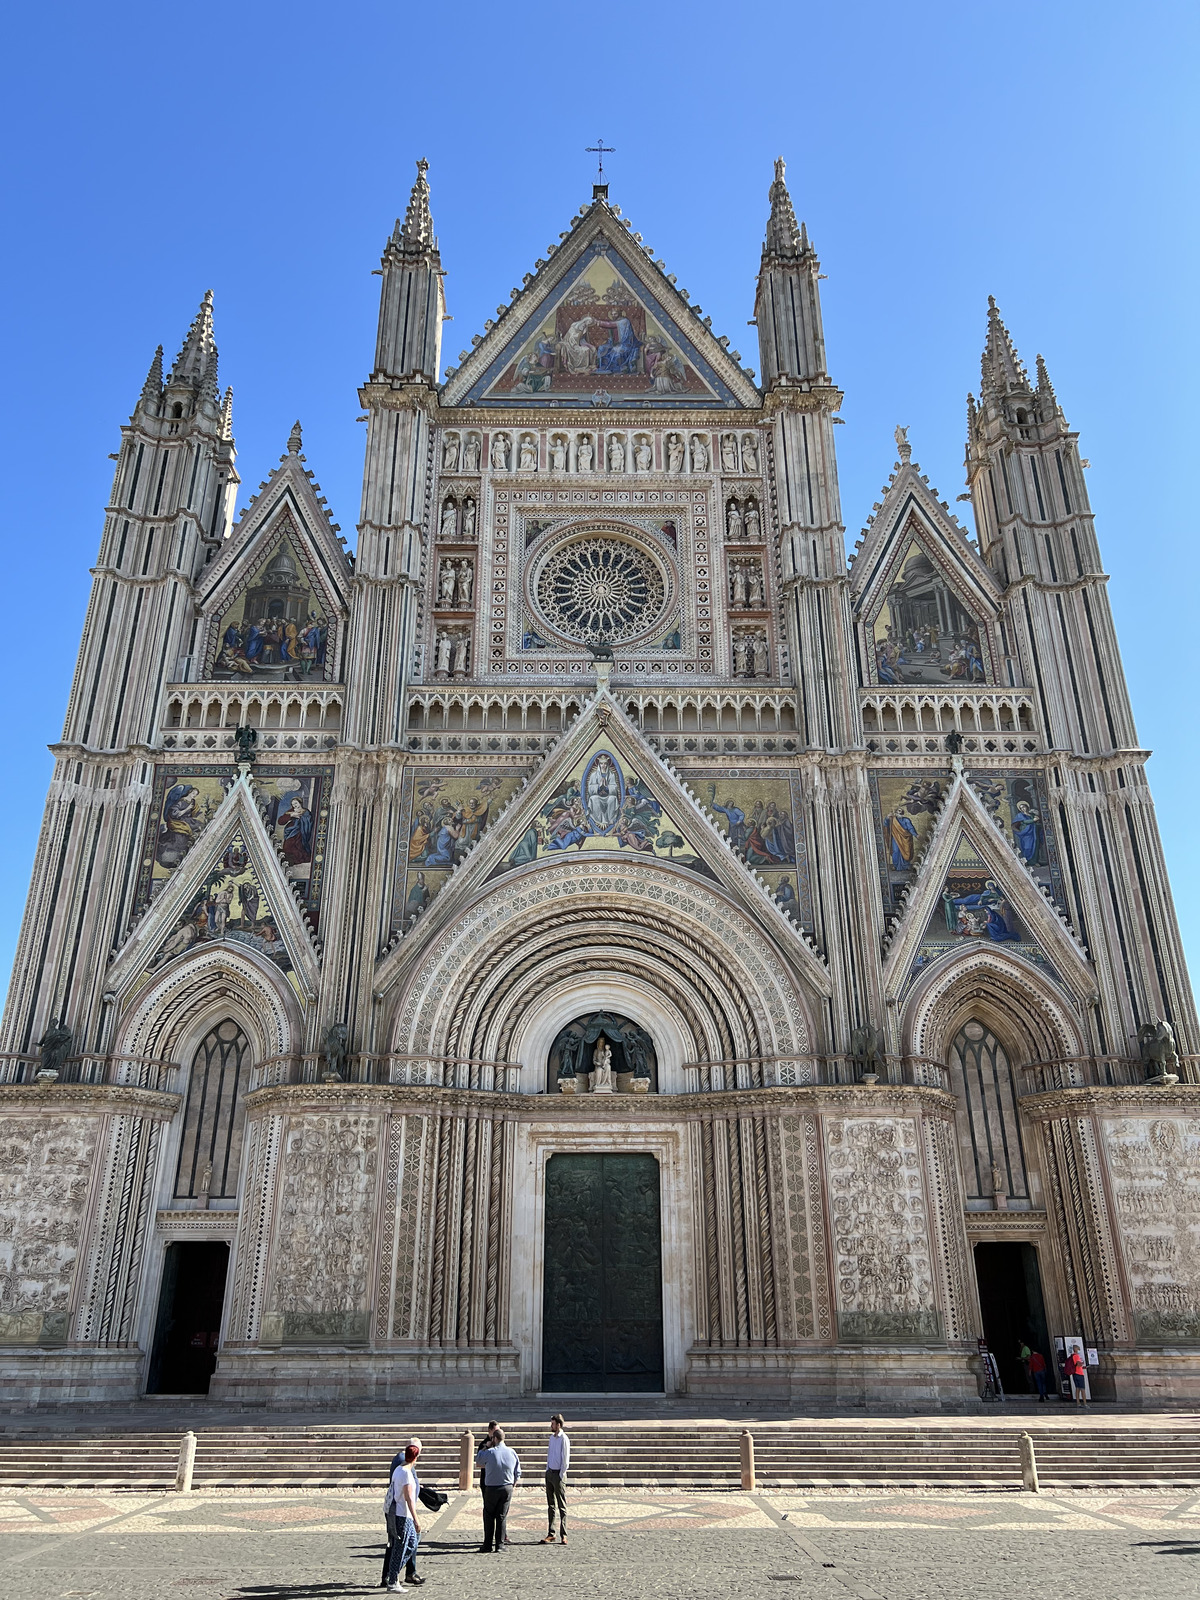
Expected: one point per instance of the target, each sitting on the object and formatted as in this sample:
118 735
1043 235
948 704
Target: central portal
602 1309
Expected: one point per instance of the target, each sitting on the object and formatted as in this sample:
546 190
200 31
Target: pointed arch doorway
602 1320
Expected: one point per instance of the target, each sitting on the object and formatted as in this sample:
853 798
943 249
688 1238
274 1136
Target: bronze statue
1156 1045
55 1045
865 1043
334 1045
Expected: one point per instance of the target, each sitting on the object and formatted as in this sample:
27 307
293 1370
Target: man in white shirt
558 1459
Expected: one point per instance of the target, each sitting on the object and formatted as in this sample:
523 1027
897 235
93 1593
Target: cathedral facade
594 939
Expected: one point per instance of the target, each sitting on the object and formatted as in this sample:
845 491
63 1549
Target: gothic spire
1003 370
227 415
192 360
208 390
784 236
1045 389
152 388
415 233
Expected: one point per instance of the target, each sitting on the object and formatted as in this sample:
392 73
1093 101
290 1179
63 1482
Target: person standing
1037 1371
1078 1375
558 1459
501 1474
404 1526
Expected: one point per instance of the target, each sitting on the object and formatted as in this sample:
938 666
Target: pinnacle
192 360
1001 365
295 440
1043 380
416 231
152 388
784 236
227 415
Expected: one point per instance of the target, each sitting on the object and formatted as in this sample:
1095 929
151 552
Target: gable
920 629
600 321
606 802
273 619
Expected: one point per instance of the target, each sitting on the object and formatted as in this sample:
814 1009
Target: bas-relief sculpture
923 632
1154 1169
186 798
45 1170
321 1261
882 1263
278 629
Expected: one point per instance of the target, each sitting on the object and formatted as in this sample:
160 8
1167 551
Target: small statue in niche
753 526
461 652
999 1191
755 584
635 1053
729 460
738 584
446 577
616 453
643 456
1156 1046
442 649
569 1055
464 581
741 655
602 1067
583 453
449 527
450 453
528 458
334 1044
674 453
500 452
55 1045
699 454
471 453
733 520
749 454
762 661
558 453
468 519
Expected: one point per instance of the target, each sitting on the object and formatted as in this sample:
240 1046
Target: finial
152 388
784 236
902 444
294 440
780 169
416 231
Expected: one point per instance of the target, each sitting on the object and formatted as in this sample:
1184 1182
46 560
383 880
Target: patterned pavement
873 1544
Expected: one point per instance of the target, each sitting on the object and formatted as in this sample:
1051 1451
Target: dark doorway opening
1010 1299
602 1294
184 1356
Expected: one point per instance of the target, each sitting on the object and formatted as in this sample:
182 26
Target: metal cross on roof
600 150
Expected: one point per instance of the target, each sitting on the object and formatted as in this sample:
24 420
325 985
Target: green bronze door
602 1307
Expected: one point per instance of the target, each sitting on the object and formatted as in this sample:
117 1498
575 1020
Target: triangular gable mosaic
278 626
600 334
923 633
975 906
186 798
604 803
445 814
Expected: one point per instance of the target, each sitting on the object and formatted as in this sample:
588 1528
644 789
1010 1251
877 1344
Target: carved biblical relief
45 1168
1154 1166
880 1230
325 1230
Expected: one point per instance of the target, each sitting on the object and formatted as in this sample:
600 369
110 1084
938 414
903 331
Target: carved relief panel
1154 1167
45 1168
882 1263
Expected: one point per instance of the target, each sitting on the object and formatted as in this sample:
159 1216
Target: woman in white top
404 1528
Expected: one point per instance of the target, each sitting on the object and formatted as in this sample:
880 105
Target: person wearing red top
1078 1374
1037 1371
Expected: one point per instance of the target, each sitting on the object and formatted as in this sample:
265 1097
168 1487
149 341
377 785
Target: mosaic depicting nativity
594 938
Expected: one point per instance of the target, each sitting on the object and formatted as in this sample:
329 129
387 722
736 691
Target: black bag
432 1499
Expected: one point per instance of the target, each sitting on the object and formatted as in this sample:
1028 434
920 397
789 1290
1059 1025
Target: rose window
600 589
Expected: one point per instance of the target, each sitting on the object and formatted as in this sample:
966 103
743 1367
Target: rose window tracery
600 588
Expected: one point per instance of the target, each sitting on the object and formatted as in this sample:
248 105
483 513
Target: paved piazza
902 1544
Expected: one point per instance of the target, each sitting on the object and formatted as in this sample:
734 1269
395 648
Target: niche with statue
600 1054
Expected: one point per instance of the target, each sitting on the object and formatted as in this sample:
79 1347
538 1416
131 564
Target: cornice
791 397
1137 1097
988 1224
704 415
879 1100
1027 580
96 1098
402 396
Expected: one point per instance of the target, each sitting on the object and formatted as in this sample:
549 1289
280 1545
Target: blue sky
939 153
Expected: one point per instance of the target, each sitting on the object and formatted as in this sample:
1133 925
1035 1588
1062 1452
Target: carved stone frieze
45 1171
1154 1172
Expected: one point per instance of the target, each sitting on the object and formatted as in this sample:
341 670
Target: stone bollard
466 1460
187 1462
1029 1477
747 1459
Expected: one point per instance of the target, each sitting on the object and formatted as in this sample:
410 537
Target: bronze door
602 1306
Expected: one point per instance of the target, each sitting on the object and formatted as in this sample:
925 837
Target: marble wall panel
1154 1170
45 1168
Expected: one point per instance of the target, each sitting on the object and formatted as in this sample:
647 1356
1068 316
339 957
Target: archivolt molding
196 991
1021 1006
667 909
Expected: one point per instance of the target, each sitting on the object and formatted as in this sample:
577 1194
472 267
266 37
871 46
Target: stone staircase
699 1452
